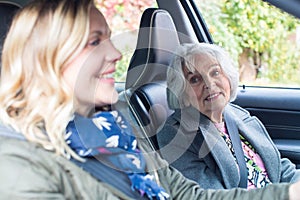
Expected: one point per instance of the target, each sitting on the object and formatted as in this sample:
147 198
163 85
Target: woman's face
90 73
208 89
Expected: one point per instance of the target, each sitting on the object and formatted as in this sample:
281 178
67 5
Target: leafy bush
262 31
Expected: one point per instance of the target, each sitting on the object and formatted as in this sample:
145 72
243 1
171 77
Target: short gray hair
185 56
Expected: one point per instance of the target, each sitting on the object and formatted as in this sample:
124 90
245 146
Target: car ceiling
290 6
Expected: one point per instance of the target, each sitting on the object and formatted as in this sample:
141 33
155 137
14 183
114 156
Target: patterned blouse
257 174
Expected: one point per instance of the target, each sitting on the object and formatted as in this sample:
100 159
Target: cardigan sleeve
182 188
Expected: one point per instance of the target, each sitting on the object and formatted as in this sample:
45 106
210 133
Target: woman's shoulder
23 156
171 122
17 146
183 115
237 110
26 166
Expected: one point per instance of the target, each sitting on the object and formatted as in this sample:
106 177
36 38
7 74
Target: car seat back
7 11
146 76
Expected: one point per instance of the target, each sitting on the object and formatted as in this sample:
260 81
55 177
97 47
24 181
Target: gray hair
185 56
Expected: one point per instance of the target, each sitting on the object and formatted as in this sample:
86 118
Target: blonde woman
57 65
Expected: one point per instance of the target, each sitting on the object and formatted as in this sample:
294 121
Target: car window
263 41
123 18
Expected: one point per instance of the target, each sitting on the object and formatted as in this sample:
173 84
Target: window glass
123 17
263 41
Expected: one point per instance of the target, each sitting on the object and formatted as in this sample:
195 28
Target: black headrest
157 41
7 11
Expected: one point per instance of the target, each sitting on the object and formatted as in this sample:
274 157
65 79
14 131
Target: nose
113 54
208 83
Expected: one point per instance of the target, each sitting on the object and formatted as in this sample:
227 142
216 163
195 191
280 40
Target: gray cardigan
190 142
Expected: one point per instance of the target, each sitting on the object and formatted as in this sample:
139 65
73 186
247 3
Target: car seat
146 76
7 11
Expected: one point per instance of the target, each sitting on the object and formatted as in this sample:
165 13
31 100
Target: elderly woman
210 140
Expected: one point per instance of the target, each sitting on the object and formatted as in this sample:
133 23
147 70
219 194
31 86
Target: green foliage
283 64
254 24
123 16
235 25
222 35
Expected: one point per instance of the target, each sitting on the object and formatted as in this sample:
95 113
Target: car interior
7 10
277 108
161 30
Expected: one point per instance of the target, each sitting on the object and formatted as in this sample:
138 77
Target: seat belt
237 146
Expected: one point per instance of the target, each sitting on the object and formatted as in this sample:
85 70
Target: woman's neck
216 117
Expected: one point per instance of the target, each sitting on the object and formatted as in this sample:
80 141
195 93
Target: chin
114 100
107 100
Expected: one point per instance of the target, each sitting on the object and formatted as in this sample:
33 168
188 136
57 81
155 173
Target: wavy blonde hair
34 99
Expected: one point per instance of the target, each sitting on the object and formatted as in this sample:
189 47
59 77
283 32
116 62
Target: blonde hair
34 100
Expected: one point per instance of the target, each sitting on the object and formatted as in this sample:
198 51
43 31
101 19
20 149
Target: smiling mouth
212 97
107 76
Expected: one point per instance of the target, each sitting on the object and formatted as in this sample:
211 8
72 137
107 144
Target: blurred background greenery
262 40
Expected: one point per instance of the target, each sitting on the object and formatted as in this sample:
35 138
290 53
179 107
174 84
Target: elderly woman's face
208 88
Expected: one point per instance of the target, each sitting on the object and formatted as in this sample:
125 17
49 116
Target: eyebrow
215 65
210 66
189 73
100 32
